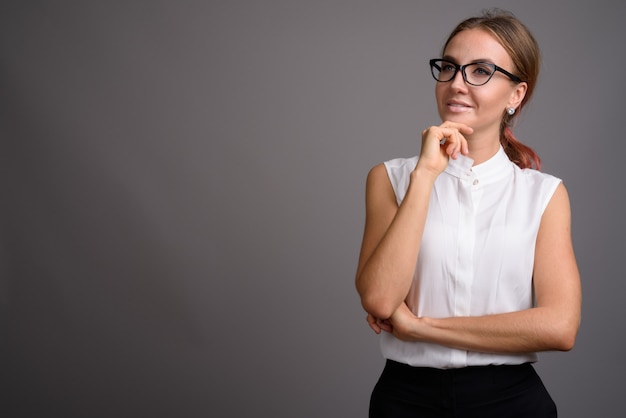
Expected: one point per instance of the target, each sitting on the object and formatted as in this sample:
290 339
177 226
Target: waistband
425 372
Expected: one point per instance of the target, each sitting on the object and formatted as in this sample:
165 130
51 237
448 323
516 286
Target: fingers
385 325
372 322
454 142
461 127
451 137
378 325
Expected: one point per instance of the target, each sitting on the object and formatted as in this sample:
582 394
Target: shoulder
377 177
401 164
559 203
541 185
536 176
379 191
398 171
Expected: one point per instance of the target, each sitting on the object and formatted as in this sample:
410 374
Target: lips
457 106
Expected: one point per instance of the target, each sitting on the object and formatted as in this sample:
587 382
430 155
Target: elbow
378 307
568 340
378 301
564 343
564 338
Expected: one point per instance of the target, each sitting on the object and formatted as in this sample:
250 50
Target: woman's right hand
439 143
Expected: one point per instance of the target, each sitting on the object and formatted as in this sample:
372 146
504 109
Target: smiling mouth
457 107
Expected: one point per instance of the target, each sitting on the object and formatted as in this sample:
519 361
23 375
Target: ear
518 94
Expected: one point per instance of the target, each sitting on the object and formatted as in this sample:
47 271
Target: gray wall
182 197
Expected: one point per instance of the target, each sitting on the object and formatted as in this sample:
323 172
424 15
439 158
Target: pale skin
392 235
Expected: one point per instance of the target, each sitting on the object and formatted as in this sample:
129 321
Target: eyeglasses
475 74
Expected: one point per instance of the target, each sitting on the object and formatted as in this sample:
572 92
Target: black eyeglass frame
457 67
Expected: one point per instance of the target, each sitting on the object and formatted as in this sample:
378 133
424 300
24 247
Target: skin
471 118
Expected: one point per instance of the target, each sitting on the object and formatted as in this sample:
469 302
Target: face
480 107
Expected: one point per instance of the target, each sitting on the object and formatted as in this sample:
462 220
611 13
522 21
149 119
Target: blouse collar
492 170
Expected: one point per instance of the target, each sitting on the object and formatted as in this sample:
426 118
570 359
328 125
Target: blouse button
475 182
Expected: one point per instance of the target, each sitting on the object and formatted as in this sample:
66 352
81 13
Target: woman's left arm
551 325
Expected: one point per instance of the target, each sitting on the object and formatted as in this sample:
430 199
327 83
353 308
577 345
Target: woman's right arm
392 236
391 240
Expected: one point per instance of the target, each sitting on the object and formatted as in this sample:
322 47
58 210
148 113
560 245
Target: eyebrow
485 60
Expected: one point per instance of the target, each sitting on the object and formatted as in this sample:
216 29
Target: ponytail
522 155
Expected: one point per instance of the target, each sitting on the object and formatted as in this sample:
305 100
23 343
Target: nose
458 82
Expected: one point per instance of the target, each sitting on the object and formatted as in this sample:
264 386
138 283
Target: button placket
464 272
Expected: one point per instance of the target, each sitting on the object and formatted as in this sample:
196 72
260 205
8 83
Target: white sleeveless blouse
477 251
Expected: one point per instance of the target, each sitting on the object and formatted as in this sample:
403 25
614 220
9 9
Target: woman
467 262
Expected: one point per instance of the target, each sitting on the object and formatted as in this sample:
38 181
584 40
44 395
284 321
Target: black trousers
470 392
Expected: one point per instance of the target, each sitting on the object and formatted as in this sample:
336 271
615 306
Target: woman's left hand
378 324
403 324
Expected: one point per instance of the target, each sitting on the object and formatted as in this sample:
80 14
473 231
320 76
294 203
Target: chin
455 117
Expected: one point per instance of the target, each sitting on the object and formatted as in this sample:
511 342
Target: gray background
182 197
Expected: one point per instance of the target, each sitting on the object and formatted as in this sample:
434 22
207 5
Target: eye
481 70
447 67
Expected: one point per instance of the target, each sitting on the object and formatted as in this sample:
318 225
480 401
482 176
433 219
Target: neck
482 149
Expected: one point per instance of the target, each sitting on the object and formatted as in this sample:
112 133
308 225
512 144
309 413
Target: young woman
467 266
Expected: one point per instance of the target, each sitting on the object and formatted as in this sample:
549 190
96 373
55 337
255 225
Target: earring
510 111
